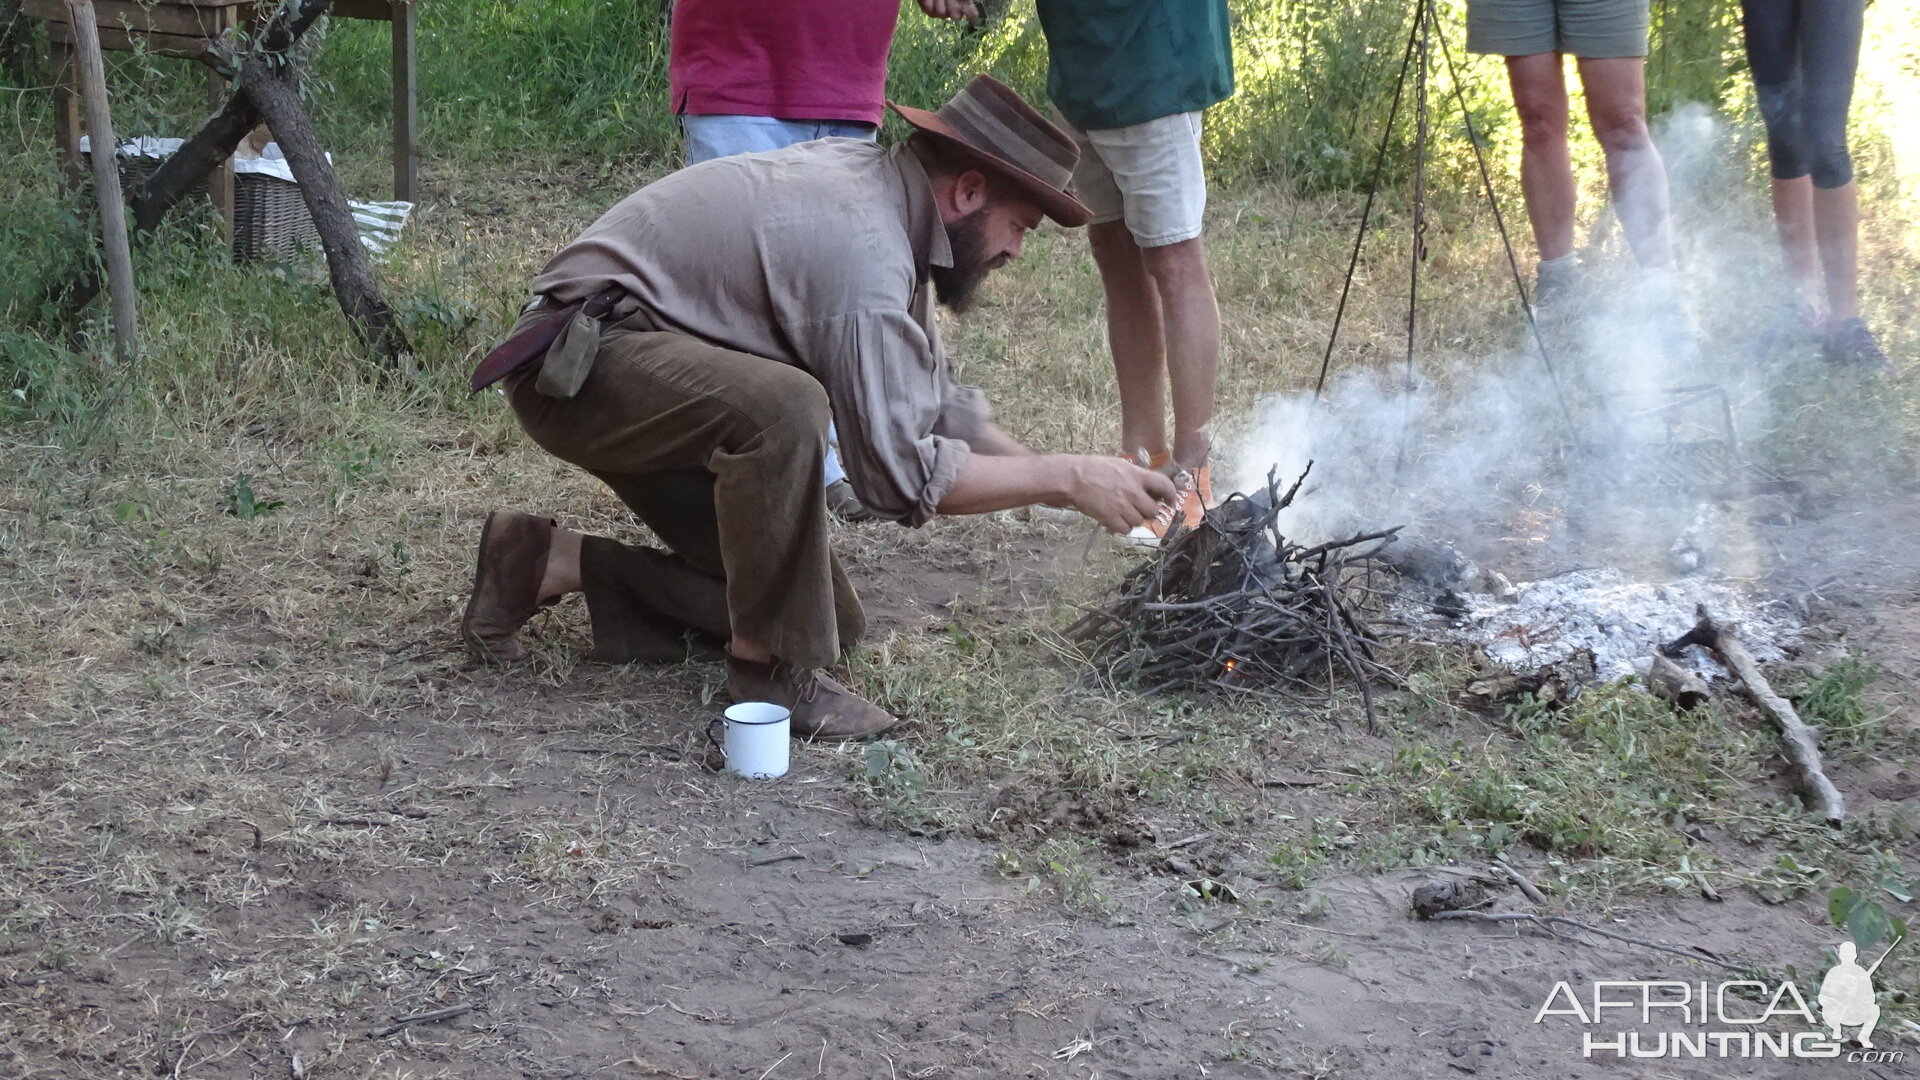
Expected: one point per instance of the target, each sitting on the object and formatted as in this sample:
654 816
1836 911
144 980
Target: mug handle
714 739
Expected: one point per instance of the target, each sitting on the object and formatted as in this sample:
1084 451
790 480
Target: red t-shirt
790 59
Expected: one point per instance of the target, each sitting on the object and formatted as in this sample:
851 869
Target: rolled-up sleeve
903 423
964 413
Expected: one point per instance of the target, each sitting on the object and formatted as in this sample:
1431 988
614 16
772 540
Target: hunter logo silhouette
1846 994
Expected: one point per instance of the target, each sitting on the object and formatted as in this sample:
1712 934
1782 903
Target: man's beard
957 286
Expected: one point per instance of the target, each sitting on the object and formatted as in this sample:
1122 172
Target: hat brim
1053 202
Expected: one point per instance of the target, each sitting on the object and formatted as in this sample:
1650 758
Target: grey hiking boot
1853 344
1557 286
822 708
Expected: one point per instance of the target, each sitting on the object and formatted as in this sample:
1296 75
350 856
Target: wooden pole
406 83
106 178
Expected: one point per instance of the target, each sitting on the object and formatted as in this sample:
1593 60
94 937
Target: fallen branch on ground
435 1016
1676 685
1561 920
1531 890
1802 741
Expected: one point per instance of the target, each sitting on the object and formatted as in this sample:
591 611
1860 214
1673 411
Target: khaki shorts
1594 29
1148 174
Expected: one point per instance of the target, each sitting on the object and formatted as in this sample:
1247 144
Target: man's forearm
1114 492
988 482
994 441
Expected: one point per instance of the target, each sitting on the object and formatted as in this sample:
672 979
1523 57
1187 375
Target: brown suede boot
822 708
506 584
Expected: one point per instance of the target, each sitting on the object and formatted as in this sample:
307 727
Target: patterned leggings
1803 54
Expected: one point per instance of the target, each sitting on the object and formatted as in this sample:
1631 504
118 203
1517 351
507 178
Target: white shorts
1149 174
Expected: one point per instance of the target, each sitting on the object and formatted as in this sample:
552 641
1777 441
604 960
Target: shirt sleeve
964 413
903 423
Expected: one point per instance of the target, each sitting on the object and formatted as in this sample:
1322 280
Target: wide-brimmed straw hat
1010 137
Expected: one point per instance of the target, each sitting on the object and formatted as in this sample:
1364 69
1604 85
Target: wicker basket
270 219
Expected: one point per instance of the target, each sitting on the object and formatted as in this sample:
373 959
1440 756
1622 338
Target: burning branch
1803 742
1232 605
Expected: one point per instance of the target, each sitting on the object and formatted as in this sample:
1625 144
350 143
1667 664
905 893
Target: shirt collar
930 247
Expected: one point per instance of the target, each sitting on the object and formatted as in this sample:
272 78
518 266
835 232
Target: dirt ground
574 893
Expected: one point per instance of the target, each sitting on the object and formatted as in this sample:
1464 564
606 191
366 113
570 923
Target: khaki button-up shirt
817 256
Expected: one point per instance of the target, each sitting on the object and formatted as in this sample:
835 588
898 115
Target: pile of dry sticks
1231 604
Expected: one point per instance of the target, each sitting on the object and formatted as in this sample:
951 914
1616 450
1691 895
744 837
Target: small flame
1231 664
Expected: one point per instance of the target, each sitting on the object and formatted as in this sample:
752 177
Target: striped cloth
380 223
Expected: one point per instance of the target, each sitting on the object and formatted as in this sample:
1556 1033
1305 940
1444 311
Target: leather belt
532 342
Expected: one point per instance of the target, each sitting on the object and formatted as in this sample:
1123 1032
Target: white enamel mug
756 740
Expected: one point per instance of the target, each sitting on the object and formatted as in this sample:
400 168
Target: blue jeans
721 135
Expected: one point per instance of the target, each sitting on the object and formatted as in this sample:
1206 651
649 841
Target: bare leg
1836 224
1192 324
1793 220
563 566
1546 170
1136 336
1617 105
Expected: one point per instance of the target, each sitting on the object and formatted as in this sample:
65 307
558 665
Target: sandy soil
770 932
777 936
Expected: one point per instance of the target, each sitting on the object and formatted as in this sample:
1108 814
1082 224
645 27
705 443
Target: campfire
1231 604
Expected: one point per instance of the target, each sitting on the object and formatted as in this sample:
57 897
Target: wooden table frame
189 29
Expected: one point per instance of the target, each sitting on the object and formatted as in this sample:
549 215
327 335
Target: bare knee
1176 264
1111 240
1621 130
1542 125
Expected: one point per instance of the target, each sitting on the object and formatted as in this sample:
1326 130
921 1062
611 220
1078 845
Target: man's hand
1115 492
950 9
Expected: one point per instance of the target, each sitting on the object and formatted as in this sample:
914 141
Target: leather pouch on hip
569 359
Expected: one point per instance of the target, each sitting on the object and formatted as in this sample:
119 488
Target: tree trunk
272 92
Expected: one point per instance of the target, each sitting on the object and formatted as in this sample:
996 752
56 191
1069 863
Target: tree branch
273 94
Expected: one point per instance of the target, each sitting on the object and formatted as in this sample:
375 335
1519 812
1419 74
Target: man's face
984 240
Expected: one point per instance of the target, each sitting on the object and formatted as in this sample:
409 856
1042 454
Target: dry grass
244 750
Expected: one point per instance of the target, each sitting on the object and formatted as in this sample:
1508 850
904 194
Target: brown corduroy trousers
720 454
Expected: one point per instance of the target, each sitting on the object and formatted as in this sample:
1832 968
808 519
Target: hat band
989 133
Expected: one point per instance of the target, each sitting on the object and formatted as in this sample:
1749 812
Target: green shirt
1115 63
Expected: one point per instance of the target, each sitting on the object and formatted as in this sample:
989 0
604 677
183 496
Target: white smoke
1481 452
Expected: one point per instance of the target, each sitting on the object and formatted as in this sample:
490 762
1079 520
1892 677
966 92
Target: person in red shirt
751 75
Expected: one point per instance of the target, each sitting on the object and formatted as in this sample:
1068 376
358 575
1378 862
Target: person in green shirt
1131 79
